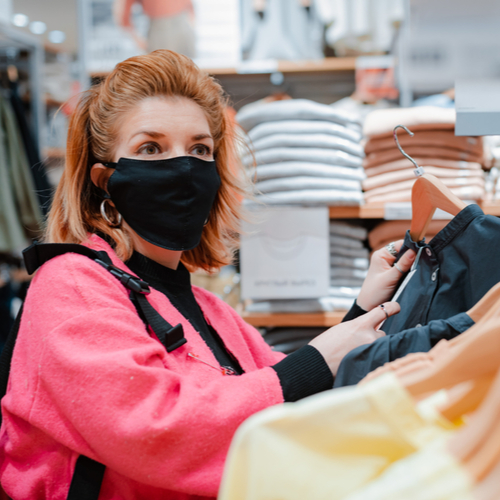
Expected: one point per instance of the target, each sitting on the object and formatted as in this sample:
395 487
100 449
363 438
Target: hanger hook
418 170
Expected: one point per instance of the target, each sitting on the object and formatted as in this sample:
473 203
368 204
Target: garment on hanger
329 445
454 272
38 171
20 213
281 29
432 473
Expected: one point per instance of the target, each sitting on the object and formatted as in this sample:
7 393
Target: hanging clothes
42 184
454 272
329 445
20 214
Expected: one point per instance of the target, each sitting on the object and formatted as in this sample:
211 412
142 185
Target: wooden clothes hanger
428 194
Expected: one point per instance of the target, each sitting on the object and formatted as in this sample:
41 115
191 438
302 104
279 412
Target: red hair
92 135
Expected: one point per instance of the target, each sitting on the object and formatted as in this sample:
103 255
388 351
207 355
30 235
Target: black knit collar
154 273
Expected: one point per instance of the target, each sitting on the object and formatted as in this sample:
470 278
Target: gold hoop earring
105 215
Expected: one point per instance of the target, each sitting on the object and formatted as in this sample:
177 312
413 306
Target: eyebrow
157 135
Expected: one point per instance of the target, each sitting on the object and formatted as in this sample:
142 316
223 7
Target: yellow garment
326 446
429 474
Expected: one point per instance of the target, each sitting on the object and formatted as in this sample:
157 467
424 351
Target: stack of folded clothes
393 230
456 161
304 153
348 257
348 267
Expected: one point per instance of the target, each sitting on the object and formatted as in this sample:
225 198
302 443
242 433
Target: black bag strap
170 336
88 474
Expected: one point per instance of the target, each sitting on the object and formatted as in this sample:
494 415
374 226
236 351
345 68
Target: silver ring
383 309
398 268
392 249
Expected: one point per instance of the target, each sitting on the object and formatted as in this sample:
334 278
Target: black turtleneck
301 374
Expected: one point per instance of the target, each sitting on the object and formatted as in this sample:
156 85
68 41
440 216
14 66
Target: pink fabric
155 9
445 139
423 162
450 182
88 379
388 155
409 174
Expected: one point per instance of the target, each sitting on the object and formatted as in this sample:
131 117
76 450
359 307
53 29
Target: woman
148 180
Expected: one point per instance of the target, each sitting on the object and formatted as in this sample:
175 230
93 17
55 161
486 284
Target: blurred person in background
171 24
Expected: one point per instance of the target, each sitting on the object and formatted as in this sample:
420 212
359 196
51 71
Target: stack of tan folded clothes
393 230
456 161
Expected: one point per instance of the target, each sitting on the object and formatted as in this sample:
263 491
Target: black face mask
166 202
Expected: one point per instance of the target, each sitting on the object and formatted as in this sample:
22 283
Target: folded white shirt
359 253
353 262
344 291
322 141
303 127
312 197
296 168
344 241
328 156
346 281
347 272
349 230
303 182
294 109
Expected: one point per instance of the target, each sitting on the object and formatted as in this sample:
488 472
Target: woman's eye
201 150
149 149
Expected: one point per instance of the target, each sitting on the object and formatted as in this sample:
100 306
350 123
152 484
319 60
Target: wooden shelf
325 319
376 211
373 211
328 64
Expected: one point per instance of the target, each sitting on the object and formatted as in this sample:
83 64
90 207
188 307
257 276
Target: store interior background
355 56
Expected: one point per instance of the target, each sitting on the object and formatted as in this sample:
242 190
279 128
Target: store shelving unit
328 319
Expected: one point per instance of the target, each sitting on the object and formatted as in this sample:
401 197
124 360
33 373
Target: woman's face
164 127
159 128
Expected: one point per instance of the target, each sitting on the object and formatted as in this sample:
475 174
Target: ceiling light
57 36
37 27
20 20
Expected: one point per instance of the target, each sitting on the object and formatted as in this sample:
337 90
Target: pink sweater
87 378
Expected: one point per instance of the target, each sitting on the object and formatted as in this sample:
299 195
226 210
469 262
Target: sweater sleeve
303 373
354 312
366 358
98 383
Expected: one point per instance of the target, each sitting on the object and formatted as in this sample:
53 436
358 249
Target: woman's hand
336 342
382 277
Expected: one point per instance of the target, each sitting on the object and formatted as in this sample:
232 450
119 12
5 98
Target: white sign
451 39
286 254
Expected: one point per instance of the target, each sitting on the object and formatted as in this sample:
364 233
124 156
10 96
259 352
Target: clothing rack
12 42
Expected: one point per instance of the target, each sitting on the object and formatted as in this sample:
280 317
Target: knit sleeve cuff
303 373
354 312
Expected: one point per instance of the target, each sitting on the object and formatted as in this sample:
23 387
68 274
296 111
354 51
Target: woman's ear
99 174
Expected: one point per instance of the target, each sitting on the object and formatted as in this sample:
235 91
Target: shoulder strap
88 474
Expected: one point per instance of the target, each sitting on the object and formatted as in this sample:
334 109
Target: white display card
285 254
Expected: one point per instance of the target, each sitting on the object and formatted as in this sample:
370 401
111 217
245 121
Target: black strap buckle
127 280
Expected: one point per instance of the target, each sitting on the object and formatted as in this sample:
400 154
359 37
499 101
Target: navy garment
454 272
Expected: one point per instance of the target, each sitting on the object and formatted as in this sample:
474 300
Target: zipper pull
225 370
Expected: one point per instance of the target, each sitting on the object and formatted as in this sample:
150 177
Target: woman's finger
378 314
405 262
